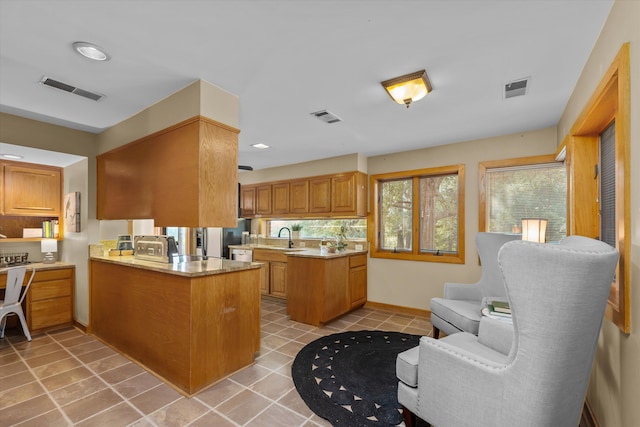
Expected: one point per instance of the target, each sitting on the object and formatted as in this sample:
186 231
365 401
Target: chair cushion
407 366
463 314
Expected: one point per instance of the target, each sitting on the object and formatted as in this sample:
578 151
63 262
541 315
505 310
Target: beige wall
615 381
199 98
346 163
413 283
77 177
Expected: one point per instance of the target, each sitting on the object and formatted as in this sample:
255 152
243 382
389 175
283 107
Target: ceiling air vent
326 116
71 89
517 88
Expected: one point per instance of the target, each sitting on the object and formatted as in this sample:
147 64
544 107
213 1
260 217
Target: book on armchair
494 312
501 307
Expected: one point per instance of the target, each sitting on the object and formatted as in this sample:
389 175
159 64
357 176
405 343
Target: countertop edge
185 269
39 266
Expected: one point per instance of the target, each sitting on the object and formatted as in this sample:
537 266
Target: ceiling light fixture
11 156
260 146
408 88
91 51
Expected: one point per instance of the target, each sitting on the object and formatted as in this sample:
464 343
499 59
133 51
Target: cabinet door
320 195
263 200
343 194
280 198
358 285
32 191
248 200
299 199
278 276
357 280
265 276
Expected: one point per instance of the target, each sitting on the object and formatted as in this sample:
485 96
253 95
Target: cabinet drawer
267 255
357 260
50 289
44 275
50 312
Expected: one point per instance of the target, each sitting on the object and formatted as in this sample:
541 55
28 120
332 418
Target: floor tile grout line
276 326
96 374
46 391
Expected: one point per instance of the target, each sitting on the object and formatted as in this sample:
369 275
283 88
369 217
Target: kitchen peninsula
192 323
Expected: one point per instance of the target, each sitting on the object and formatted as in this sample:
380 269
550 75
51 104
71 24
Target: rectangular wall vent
326 116
517 88
71 89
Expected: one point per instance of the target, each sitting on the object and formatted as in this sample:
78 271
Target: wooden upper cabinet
344 193
185 175
340 195
31 190
299 196
280 198
320 195
248 200
263 200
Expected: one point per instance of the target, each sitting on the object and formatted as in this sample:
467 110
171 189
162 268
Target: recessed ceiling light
260 146
91 51
11 156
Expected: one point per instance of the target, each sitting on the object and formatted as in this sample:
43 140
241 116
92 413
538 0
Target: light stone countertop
187 269
301 252
39 266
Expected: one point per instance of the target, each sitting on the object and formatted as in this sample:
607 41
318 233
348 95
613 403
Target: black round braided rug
350 378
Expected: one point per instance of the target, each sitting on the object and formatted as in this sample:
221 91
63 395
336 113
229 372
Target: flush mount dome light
91 51
408 88
260 146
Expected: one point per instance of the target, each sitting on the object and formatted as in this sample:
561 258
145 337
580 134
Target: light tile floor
65 378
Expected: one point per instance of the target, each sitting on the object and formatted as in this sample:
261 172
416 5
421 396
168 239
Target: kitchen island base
322 288
190 331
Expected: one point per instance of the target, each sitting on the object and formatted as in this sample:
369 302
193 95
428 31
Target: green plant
296 227
341 239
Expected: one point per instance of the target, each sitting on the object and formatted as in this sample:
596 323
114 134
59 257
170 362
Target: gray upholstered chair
460 308
558 294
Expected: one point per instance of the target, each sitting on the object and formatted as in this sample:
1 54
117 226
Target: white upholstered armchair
460 308
558 294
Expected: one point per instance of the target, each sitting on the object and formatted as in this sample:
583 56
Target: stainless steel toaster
155 248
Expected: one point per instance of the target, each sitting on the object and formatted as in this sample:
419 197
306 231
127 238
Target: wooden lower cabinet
191 331
358 280
49 302
321 289
274 272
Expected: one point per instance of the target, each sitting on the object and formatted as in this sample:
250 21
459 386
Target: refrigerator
218 239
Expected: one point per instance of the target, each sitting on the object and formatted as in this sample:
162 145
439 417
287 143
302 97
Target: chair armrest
462 291
446 372
495 334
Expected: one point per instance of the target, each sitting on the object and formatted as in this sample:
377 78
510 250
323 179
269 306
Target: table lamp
48 247
534 229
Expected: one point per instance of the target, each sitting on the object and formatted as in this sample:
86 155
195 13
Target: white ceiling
286 59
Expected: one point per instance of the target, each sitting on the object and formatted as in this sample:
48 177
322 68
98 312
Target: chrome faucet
290 241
